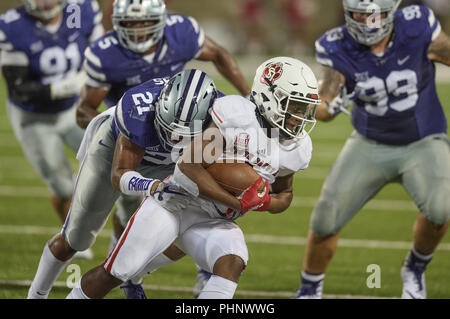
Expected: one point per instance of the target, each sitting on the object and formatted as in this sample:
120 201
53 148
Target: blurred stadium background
252 30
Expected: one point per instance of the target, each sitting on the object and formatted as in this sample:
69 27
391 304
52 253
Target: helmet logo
272 72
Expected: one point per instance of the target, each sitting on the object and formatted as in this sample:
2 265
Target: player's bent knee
437 206
60 248
79 240
226 242
229 267
324 220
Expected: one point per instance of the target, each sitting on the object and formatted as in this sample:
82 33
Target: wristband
133 183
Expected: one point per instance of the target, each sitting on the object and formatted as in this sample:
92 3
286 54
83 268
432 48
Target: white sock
113 242
420 255
218 288
311 277
48 271
77 292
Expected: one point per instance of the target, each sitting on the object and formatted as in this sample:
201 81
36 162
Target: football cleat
413 277
310 290
133 291
202 278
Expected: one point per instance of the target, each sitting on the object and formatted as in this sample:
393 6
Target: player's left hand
343 101
251 199
69 86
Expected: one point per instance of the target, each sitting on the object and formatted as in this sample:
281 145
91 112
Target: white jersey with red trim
247 141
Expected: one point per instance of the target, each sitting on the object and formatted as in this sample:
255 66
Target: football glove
250 199
342 102
69 86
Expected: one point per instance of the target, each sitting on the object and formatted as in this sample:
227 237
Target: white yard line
250 238
298 201
262 294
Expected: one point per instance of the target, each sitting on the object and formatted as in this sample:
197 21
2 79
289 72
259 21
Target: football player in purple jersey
42 47
383 59
146 43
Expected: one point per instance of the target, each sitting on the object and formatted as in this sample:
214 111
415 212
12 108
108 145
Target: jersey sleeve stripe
431 18
96 84
194 24
94 74
320 48
324 60
2 36
436 32
92 58
118 118
217 116
98 18
6 46
163 51
15 58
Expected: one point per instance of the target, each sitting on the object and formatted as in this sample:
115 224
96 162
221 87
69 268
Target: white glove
342 102
69 86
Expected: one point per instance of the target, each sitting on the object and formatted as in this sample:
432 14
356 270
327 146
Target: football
234 177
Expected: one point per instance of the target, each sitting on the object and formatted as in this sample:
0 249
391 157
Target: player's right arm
88 103
329 89
195 170
96 86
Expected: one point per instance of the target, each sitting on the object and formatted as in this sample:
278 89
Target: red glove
252 200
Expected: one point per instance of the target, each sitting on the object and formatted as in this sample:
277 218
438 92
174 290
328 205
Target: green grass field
380 234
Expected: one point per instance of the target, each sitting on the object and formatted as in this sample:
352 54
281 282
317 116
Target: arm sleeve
94 70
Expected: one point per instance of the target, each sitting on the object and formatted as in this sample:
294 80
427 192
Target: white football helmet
285 88
143 11
44 9
380 27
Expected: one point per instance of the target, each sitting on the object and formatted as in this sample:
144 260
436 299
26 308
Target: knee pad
325 218
226 241
78 239
437 205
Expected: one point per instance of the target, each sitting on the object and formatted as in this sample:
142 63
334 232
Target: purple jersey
116 68
50 56
398 103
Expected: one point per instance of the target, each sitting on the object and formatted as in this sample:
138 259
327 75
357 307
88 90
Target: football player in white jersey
191 210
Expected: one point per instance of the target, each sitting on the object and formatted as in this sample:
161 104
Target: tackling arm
225 64
329 89
90 99
439 50
197 172
124 177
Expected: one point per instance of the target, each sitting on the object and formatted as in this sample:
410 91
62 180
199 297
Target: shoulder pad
9 28
233 111
296 157
329 45
101 56
416 21
185 33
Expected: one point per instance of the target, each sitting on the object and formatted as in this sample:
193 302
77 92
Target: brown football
234 177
